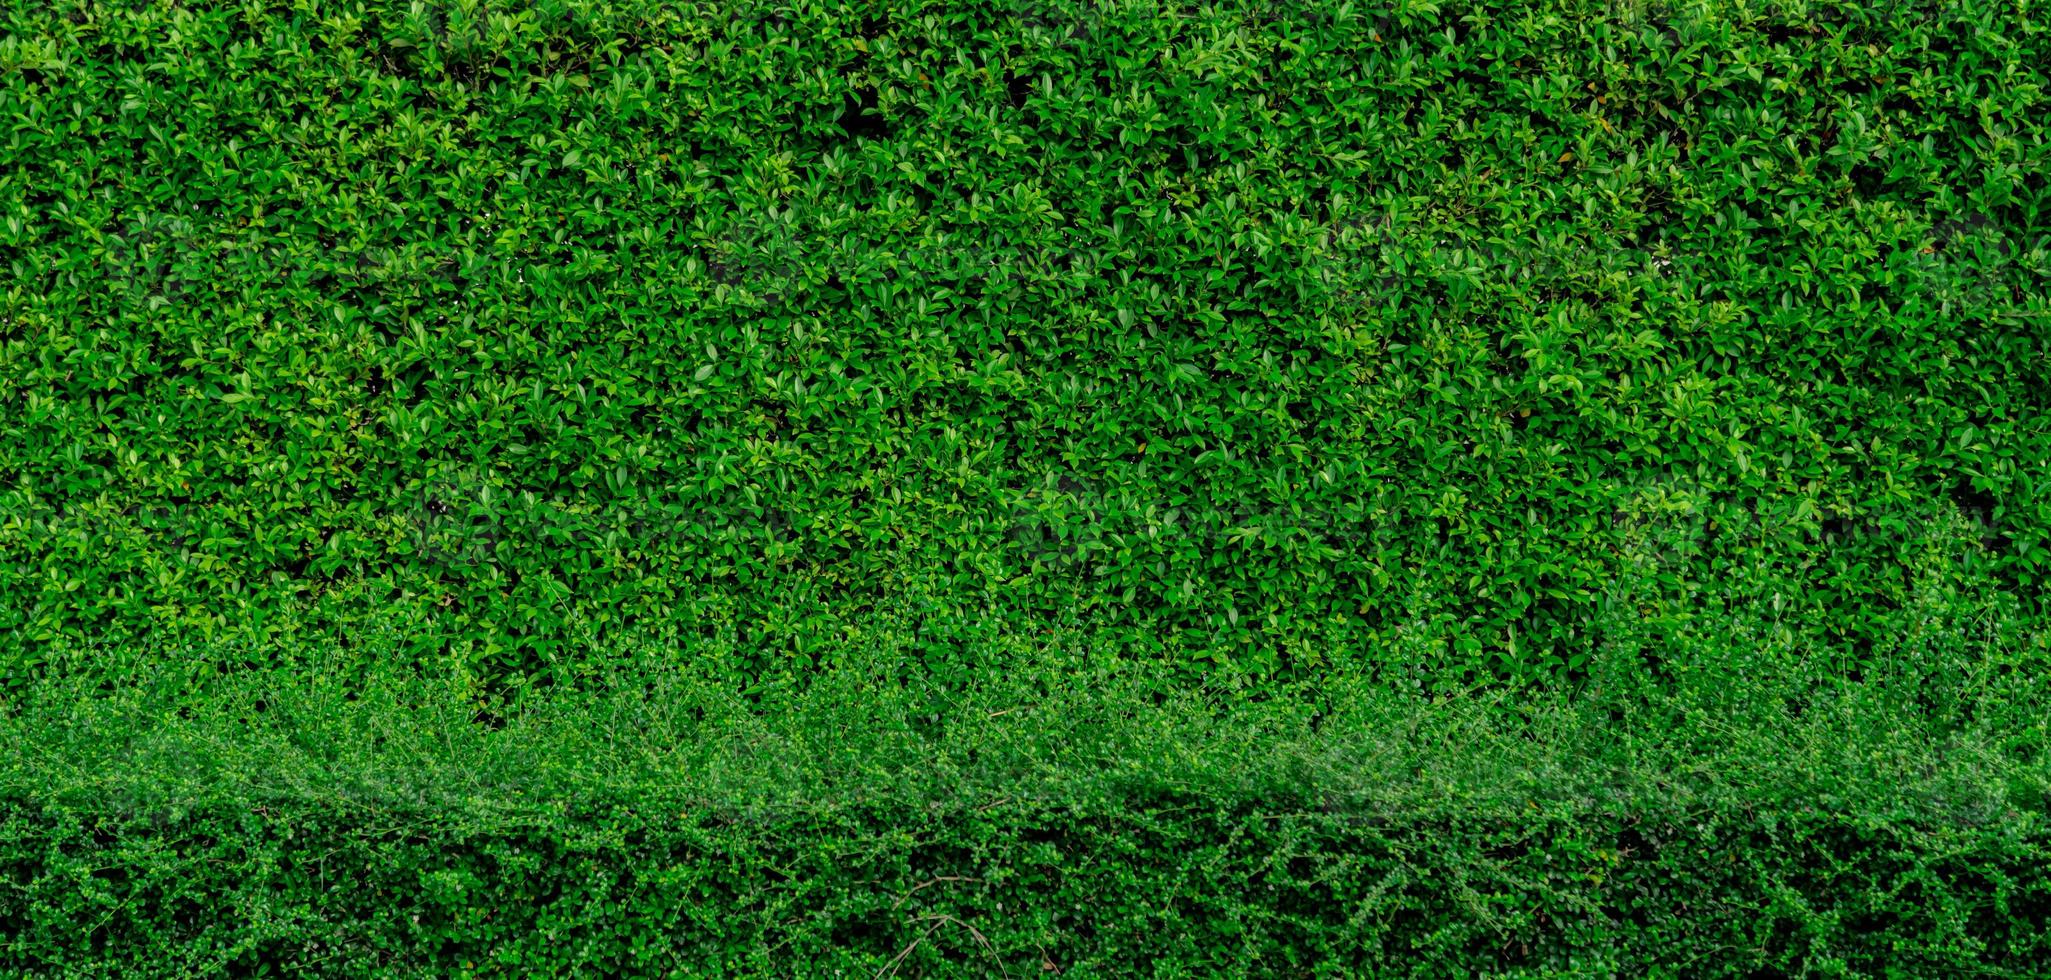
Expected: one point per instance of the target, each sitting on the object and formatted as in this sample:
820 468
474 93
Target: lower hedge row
1189 885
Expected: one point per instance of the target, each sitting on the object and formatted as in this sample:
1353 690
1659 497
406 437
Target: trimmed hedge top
1476 340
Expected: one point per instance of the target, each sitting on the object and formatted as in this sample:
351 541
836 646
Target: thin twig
891 967
901 899
938 918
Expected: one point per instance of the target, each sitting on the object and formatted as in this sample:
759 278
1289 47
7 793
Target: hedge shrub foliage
1474 339
1172 887
1061 821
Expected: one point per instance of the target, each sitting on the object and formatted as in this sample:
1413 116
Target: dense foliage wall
621 488
1471 340
1164 887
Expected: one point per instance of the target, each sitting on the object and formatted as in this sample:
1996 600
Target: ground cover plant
1116 430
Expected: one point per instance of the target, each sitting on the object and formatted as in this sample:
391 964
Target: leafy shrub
749 488
1053 817
1458 340
1192 885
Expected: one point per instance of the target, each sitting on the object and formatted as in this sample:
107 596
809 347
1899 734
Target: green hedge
1169 886
1477 340
1024 487
1751 824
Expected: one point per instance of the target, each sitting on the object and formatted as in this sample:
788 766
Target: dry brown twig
938 920
928 883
